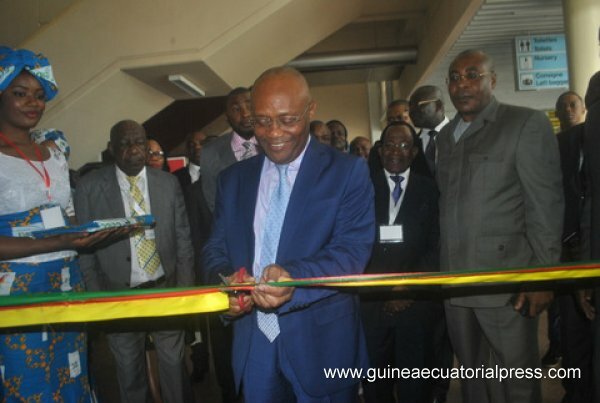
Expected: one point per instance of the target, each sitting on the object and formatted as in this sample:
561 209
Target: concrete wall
346 103
92 42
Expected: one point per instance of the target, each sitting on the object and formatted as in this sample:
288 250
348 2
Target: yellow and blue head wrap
13 62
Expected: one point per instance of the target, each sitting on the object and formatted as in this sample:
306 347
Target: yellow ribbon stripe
145 305
474 278
91 307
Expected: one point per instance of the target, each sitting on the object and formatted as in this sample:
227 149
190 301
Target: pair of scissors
238 278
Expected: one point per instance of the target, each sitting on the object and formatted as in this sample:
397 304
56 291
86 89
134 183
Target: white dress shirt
395 208
138 276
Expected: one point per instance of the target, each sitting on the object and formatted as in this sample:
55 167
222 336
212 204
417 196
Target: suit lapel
249 184
489 113
409 202
154 192
226 155
312 164
109 189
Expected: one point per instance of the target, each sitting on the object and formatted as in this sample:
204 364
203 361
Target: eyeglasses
471 76
289 121
393 147
421 104
156 153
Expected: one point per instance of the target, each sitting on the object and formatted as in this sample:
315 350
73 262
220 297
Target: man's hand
269 297
240 303
584 300
537 301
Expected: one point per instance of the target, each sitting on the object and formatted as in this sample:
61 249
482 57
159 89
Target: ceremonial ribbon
23 310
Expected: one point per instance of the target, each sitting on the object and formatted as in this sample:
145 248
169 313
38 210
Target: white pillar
582 21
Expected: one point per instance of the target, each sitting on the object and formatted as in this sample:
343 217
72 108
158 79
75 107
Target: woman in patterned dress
46 363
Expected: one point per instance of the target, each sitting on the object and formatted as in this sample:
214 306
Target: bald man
277 215
126 189
427 113
501 206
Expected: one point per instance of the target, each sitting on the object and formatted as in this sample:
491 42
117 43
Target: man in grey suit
501 205
237 145
154 258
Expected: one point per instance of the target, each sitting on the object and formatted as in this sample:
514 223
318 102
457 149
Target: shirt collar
438 128
404 174
124 182
237 141
194 168
295 164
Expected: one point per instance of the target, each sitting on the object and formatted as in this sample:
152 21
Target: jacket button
128 258
500 247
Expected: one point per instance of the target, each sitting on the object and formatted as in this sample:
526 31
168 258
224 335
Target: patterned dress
49 363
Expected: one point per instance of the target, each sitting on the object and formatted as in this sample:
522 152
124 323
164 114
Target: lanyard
44 175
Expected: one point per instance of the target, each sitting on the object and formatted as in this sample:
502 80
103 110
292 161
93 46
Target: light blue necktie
268 322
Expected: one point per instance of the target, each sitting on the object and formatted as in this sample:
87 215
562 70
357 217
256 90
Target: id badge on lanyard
391 234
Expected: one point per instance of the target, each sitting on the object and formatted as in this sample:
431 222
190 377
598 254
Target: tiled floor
207 391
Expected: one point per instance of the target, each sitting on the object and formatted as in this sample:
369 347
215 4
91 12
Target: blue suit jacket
328 230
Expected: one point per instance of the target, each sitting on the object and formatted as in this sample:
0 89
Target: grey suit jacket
216 156
108 267
501 199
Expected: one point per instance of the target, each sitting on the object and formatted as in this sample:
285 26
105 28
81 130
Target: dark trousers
401 340
576 348
554 329
443 358
221 339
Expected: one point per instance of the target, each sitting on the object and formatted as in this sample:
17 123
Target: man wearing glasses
277 216
400 328
501 205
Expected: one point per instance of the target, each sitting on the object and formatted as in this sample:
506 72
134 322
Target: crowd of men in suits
280 196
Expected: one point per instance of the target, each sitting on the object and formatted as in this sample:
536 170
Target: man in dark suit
151 258
237 145
570 111
194 142
303 210
190 178
501 206
200 217
592 145
575 331
427 113
400 330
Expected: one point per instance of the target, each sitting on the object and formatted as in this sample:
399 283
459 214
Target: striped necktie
397 192
147 254
248 150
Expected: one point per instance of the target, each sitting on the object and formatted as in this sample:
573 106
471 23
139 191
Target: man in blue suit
299 210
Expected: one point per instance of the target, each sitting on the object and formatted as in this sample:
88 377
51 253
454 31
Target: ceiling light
186 85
